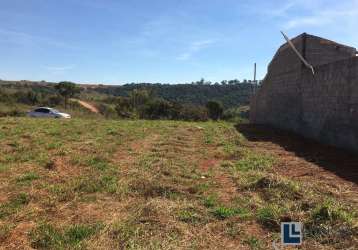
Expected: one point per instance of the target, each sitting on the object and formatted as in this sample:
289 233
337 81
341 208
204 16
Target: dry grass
101 184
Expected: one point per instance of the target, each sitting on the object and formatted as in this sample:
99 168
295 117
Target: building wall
323 106
322 51
330 104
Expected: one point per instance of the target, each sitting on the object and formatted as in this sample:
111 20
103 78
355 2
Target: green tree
139 97
32 97
123 107
67 90
215 110
156 109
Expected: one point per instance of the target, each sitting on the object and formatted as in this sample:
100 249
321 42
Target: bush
51 100
192 113
215 110
240 114
29 97
123 107
107 110
5 97
6 110
157 109
142 105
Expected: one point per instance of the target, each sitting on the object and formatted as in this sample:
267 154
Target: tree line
197 101
230 94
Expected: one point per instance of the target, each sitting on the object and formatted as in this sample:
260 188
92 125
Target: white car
47 113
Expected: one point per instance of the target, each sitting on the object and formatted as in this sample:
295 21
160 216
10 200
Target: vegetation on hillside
16 100
67 90
143 104
230 94
144 101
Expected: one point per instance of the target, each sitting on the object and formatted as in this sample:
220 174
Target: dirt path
87 105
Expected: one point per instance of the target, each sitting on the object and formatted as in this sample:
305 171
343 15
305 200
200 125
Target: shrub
240 114
51 100
11 111
215 110
157 109
107 110
192 113
142 104
123 107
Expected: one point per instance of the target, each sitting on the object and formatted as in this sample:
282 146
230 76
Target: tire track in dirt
227 189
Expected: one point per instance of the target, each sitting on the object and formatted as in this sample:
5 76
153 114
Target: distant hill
230 93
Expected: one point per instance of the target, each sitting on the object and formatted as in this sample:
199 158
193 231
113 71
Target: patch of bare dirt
18 238
127 154
60 167
228 188
206 165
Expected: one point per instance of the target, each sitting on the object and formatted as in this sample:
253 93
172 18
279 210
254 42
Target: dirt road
87 106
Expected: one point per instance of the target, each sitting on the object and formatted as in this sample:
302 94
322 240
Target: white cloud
280 10
194 48
56 70
303 14
184 57
25 39
324 18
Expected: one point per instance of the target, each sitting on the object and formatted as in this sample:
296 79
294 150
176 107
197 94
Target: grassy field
102 184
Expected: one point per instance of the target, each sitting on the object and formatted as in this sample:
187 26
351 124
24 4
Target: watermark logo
291 233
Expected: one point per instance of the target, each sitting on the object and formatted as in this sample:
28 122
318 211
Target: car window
42 110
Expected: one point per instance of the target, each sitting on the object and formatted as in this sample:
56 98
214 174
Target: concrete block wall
322 51
323 107
329 104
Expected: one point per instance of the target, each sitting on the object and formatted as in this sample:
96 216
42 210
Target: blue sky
169 41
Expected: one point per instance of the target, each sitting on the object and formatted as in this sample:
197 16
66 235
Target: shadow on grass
342 163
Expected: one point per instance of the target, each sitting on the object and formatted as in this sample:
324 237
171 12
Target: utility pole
255 73
255 83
